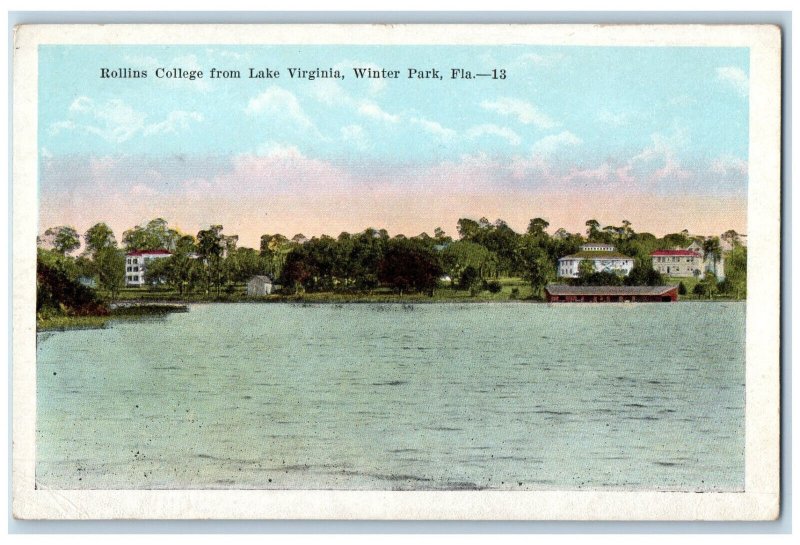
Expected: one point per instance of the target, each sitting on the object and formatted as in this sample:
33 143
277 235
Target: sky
654 135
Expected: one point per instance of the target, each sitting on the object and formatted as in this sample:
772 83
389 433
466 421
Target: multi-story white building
136 265
682 263
690 261
603 257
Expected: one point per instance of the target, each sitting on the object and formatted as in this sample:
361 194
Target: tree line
211 262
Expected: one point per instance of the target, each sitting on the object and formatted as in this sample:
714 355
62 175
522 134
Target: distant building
682 263
603 257
259 285
597 247
87 281
136 265
559 293
678 260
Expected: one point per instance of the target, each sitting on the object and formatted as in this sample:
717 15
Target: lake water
423 397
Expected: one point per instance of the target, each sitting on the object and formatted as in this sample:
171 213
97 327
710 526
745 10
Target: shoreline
135 309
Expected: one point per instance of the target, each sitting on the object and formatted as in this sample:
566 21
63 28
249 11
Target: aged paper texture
488 272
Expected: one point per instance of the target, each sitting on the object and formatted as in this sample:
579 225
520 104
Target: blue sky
660 123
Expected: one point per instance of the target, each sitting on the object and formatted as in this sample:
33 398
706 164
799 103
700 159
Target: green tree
537 227
462 254
210 249
713 251
731 237
275 249
110 269
63 239
468 229
709 284
675 240
98 237
538 269
585 268
592 230
155 235
470 279
409 266
735 282
643 274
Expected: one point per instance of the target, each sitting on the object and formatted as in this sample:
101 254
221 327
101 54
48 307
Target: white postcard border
760 501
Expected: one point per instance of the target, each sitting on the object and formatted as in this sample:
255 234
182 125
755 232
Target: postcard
488 272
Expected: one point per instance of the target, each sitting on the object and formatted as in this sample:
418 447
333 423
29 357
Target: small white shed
259 285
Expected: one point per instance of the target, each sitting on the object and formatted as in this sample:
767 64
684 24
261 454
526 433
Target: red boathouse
560 293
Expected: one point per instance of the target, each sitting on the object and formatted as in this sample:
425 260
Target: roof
597 255
687 253
260 278
562 289
149 252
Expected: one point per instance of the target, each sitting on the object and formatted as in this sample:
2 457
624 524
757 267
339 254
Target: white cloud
494 130
373 111
434 128
328 92
734 77
116 121
275 150
525 112
278 102
663 146
81 104
112 120
728 164
59 126
549 144
175 121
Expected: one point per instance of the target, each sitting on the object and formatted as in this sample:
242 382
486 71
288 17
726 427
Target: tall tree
592 230
154 235
210 249
538 269
712 251
537 227
63 239
98 237
110 268
736 272
409 266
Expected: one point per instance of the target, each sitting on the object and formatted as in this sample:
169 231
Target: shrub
494 286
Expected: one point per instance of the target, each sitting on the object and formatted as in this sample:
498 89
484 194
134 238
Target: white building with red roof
685 263
136 265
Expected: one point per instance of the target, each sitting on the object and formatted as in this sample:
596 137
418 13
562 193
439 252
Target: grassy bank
511 289
62 323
